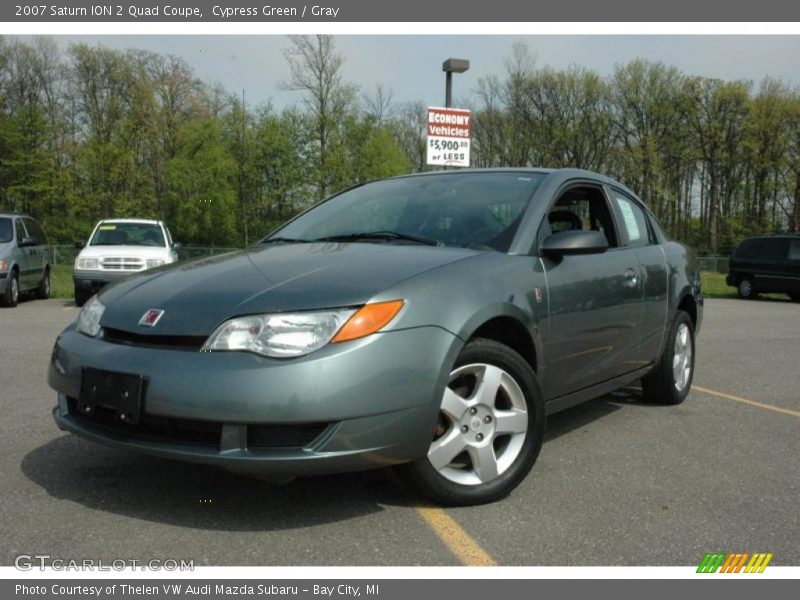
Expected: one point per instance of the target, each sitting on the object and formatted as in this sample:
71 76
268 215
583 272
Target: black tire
524 446
660 385
746 288
81 296
43 291
10 297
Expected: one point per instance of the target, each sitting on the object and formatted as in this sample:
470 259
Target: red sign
449 122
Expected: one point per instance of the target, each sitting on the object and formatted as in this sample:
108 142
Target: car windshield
6 230
127 234
468 210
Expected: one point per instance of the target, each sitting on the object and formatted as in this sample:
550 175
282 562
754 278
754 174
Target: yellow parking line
460 543
780 409
447 529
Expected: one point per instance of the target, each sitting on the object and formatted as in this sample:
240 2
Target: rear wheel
746 289
11 296
43 291
489 431
671 379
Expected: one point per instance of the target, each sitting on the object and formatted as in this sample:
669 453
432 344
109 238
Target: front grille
270 437
177 342
152 428
122 263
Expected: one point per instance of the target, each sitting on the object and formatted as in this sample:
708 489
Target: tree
315 68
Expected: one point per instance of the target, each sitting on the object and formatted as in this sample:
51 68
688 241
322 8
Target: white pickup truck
118 248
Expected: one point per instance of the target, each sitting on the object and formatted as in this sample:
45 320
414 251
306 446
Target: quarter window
633 222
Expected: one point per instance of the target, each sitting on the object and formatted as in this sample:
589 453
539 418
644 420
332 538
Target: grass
713 285
61 282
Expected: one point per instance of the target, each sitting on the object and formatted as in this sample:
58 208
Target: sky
411 65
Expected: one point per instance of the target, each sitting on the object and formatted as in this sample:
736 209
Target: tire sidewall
445 491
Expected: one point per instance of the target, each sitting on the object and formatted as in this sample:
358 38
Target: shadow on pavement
201 497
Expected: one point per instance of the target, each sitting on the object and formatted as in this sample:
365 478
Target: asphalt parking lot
618 482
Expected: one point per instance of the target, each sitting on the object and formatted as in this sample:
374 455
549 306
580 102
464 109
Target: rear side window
794 250
776 248
6 230
633 222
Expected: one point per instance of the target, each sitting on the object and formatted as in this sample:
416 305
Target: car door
637 234
23 256
38 251
595 300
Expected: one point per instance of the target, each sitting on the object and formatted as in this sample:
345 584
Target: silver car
24 258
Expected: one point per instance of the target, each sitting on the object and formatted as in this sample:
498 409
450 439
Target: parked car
431 320
766 264
24 258
118 248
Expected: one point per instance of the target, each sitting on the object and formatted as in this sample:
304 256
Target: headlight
297 334
154 262
281 335
89 317
86 263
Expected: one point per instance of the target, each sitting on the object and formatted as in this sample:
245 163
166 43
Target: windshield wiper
285 240
380 235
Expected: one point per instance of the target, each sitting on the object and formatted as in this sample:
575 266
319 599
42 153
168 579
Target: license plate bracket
121 392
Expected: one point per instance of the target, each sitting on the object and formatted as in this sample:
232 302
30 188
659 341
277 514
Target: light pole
450 66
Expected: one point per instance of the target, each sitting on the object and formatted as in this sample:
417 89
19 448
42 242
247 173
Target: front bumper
94 281
374 401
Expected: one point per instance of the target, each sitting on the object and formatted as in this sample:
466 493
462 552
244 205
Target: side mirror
177 245
575 242
79 245
27 241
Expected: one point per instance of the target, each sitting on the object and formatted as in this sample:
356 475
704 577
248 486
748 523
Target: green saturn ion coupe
431 321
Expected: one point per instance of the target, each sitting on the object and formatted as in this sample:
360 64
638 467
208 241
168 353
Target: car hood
5 249
197 296
123 250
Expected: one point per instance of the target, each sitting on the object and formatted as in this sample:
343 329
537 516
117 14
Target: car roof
11 215
142 221
564 174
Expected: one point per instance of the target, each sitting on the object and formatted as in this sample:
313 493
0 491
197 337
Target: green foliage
88 132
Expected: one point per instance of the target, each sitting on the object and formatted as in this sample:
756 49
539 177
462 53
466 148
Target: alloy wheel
682 357
482 425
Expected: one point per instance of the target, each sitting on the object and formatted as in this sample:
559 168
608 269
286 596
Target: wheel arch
506 325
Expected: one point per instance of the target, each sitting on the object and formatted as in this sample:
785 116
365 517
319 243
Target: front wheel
489 431
11 296
671 379
81 296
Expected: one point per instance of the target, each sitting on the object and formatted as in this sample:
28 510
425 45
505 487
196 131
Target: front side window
21 233
36 230
794 250
582 208
127 234
474 210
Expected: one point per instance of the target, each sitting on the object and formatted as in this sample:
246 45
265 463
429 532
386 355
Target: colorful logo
734 562
151 317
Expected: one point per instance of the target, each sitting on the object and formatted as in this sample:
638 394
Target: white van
117 248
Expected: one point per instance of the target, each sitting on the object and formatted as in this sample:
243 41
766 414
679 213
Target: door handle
630 278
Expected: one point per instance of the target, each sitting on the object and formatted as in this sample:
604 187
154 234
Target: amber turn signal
367 320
